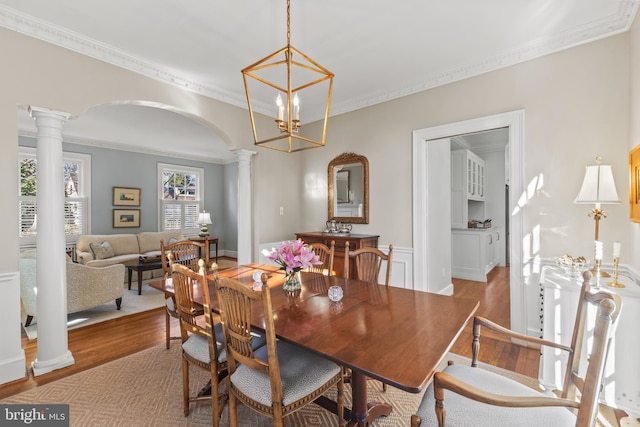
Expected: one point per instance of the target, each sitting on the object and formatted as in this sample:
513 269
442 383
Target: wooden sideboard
356 241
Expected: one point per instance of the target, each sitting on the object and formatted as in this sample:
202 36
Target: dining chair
368 262
184 252
279 378
325 254
202 344
479 397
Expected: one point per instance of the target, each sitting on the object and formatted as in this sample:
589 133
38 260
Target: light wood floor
101 343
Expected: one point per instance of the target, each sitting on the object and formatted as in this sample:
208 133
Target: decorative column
244 206
51 270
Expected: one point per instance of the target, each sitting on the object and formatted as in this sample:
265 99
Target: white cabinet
467 188
560 294
474 252
468 170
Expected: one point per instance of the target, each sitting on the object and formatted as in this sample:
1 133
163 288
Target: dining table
395 335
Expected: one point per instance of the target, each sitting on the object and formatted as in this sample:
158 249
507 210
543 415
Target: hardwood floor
101 343
494 305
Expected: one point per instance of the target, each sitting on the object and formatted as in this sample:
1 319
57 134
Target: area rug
131 303
145 389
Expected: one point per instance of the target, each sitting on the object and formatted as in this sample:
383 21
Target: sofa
87 287
122 248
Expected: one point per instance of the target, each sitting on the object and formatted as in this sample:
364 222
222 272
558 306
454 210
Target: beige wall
576 107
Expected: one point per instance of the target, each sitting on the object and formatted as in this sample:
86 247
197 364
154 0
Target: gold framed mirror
348 181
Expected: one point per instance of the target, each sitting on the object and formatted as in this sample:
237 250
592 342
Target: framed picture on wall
123 218
123 196
634 191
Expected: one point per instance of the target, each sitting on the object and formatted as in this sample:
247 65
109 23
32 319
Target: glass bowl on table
573 267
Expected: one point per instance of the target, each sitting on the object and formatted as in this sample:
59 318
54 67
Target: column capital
243 154
47 112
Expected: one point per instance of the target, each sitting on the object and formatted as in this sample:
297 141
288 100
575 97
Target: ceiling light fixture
276 71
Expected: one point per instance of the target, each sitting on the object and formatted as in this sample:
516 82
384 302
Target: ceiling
378 49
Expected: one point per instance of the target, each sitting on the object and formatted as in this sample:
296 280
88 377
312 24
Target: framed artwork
123 218
123 196
634 190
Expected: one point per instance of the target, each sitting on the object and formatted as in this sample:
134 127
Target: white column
51 270
244 206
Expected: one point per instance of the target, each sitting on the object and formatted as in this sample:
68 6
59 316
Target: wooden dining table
395 335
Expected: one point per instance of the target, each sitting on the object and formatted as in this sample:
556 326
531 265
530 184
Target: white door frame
422 246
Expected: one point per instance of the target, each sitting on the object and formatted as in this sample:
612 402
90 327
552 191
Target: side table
207 240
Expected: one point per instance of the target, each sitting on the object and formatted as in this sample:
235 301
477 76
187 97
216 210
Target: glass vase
292 282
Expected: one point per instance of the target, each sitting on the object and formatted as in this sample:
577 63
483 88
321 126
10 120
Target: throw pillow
172 240
101 250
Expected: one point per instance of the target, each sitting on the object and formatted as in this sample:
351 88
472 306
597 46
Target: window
181 197
77 188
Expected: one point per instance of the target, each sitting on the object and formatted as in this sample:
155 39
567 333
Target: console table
356 241
560 295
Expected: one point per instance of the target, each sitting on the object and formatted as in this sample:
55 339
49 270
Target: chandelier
299 82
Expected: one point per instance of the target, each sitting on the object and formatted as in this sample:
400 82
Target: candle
280 107
616 249
296 107
598 250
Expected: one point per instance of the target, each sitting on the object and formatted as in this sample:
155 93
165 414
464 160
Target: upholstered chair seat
301 373
472 413
197 346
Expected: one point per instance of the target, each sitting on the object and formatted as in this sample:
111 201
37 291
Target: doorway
491 147
424 246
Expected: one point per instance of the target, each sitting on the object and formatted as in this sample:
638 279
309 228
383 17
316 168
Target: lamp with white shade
598 188
204 218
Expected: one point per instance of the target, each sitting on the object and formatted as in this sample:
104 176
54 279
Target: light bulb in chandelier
295 116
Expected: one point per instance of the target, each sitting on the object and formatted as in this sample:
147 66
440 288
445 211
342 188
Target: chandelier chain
288 22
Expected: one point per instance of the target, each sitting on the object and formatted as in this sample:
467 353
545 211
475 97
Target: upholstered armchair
87 287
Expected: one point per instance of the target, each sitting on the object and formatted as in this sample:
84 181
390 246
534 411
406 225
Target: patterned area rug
145 389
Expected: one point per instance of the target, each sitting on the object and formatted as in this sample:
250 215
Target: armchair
478 397
87 287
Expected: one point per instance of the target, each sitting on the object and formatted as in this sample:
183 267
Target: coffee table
144 264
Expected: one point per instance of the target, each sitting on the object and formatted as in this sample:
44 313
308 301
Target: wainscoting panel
12 359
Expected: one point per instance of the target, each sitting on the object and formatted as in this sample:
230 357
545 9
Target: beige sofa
87 287
127 248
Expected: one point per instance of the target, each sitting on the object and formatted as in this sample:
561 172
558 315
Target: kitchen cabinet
467 188
356 241
474 252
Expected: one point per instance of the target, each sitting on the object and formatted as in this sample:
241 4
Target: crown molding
45 31
615 24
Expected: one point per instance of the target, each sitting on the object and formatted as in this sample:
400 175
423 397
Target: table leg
363 413
140 281
130 271
216 251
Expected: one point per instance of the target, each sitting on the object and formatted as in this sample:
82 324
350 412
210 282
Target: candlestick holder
597 270
615 283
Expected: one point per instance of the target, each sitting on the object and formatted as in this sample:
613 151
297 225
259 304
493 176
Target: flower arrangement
293 257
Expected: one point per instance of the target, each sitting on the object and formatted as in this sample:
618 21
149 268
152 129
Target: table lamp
204 218
598 188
